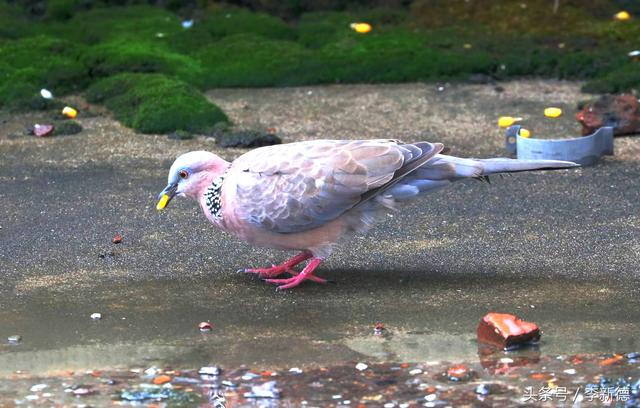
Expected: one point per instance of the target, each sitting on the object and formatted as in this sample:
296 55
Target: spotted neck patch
212 198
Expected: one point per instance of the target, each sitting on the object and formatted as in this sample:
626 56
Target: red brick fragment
506 331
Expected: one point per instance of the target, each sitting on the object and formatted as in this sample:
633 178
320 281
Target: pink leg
306 274
277 270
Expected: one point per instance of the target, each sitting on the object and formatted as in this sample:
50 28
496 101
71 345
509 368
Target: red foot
277 270
306 274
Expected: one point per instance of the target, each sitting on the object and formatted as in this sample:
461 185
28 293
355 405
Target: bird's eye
183 174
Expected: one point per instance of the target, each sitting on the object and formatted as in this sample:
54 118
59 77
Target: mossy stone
246 139
154 103
67 127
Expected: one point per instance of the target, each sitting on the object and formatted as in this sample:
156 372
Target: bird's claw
289 283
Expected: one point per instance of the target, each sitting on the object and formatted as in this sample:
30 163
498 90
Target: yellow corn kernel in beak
361 28
163 202
69 112
506 121
524 133
552 112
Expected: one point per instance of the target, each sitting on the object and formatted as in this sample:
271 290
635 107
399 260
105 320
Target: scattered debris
506 331
42 130
266 390
361 366
622 112
117 239
295 370
634 55
96 316
611 360
187 24
38 387
506 121
383 384
211 370
46 94
69 112
483 389
205 326
160 394
459 372
379 329
162 379
552 112
247 138
361 28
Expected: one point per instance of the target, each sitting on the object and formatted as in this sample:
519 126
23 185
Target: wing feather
300 186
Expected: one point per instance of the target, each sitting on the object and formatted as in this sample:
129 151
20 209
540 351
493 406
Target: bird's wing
300 186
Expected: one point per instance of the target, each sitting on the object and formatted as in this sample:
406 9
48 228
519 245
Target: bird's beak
166 195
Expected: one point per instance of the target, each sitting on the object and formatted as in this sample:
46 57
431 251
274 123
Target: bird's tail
442 170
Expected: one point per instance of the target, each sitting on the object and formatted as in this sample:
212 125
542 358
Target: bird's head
190 175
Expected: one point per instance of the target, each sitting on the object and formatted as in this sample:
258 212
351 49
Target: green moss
61 9
134 23
122 55
154 103
13 23
623 79
30 64
251 60
230 21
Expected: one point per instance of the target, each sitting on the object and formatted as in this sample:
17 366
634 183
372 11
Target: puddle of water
430 319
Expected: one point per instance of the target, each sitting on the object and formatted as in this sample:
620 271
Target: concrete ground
558 248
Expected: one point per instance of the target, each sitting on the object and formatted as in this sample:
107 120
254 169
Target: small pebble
187 24
570 371
31 397
482 389
266 390
117 239
361 366
337 396
151 371
205 326
15 339
431 397
506 360
96 316
249 376
633 355
38 387
211 370
415 371
295 370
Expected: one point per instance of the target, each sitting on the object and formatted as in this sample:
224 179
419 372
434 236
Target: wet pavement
561 249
